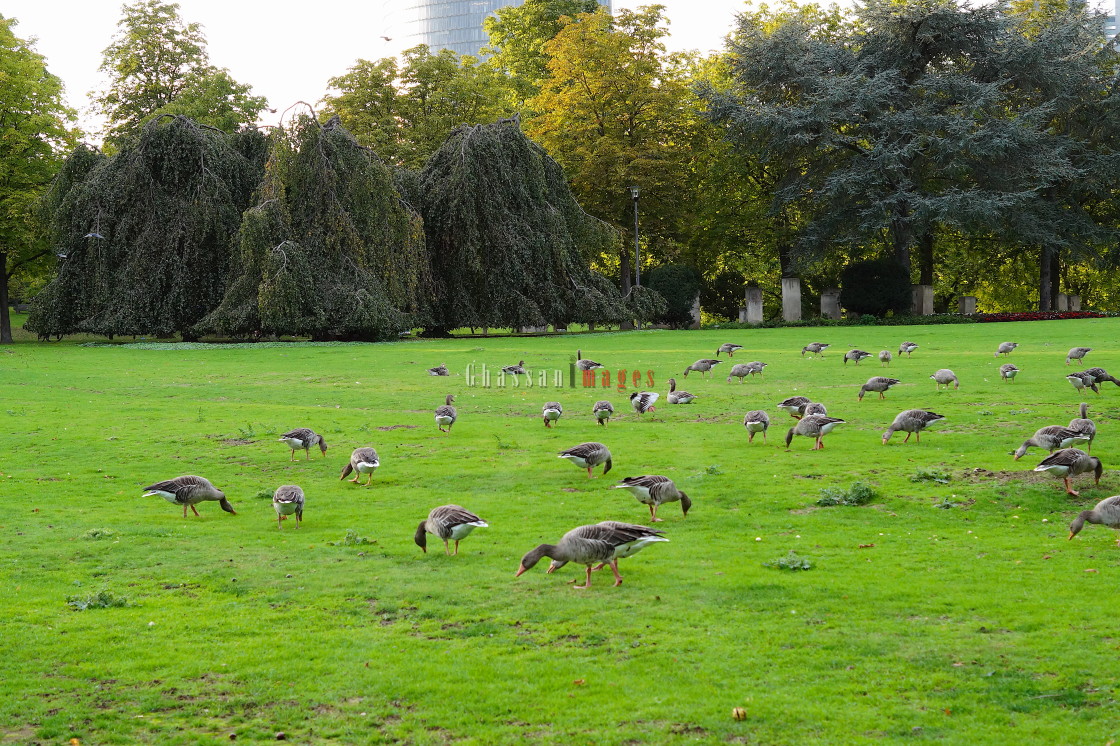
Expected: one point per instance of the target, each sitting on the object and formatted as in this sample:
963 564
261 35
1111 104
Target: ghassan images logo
484 376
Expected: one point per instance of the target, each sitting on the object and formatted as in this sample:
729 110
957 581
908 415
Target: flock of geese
603 544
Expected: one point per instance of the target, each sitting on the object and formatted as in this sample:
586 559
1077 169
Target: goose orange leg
617 577
586 583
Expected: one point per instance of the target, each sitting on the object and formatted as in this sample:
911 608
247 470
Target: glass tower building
454 24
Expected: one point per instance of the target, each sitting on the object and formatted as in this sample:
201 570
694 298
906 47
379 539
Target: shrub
876 287
791 561
722 295
351 539
858 494
678 284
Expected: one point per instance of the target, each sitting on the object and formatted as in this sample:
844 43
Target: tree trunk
627 272
1055 279
1045 283
902 235
925 257
5 319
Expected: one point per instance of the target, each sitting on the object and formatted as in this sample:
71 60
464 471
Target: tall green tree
158 64
35 133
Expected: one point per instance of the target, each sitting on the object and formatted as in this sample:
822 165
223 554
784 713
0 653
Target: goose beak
520 570
1071 535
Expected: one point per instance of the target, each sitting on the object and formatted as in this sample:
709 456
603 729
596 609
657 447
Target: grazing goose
304 438
678 397
516 370
1077 353
1106 513
603 543
1052 438
446 415
602 410
450 523
878 384
1007 372
944 377
912 421
1068 463
586 364
855 355
729 348
742 370
756 421
654 490
817 348
362 461
885 357
1100 375
1082 424
188 491
439 370
588 456
1005 348
795 406
907 348
1082 381
286 501
703 366
815 407
551 412
813 426
643 401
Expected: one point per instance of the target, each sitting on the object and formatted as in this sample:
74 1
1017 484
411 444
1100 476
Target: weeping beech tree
330 250
144 236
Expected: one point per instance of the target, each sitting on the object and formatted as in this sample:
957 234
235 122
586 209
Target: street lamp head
634 193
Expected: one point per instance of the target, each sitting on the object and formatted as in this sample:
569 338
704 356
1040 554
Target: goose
439 370
1077 353
1082 424
1052 438
794 405
653 490
815 407
907 348
362 461
602 410
878 384
586 364
912 421
1068 463
678 397
446 415
742 370
304 438
703 366
1082 381
885 357
855 355
1100 375
944 377
1007 372
516 370
1005 348
588 456
817 348
551 412
450 523
814 426
1106 513
188 491
603 543
643 401
756 421
729 348
286 501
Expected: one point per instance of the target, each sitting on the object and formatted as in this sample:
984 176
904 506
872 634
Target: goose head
421 537
533 556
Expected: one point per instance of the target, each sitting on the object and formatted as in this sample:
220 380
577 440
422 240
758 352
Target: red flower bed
1039 316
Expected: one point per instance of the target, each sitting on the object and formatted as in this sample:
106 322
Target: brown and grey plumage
1007 372
1005 348
288 500
678 397
602 410
1052 438
362 461
1082 381
816 348
1082 424
516 370
1077 353
439 370
885 357
588 456
586 364
446 414
878 384
1068 463
643 401
944 377
1100 375
304 438
599 543
1106 513
702 366
907 348
729 348
449 523
815 407
188 491
551 412
654 490
794 405
813 426
855 355
911 421
756 421
742 370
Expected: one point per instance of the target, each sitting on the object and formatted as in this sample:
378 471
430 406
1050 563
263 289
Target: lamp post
634 192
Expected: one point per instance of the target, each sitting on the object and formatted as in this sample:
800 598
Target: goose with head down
912 422
729 348
906 348
1082 381
1005 348
856 356
599 544
551 412
288 500
1052 438
189 490
756 421
945 377
1070 462
878 384
362 461
643 401
813 426
1100 375
703 366
449 523
794 405
742 370
885 357
303 437
602 410
1077 353
654 490
1106 513
815 348
815 407
679 397
588 456
1007 372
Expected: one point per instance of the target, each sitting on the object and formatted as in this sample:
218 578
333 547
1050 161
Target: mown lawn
941 612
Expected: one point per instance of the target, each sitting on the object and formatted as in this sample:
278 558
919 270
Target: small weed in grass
263 495
504 445
930 475
247 432
792 561
351 539
858 494
101 600
947 503
98 533
714 470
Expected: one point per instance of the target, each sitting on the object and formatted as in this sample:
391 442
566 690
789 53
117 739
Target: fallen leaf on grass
866 546
1091 570
579 682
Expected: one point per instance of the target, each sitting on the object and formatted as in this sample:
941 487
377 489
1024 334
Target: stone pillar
754 305
531 329
695 313
791 299
922 300
966 304
1075 303
1061 302
830 303
742 314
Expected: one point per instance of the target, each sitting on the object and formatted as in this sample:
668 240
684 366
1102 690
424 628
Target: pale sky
280 48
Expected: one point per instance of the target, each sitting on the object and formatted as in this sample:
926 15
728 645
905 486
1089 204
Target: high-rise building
454 24
1110 22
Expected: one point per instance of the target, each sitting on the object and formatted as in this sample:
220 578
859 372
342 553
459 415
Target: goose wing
183 488
288 493
1067 457
585 451
452 515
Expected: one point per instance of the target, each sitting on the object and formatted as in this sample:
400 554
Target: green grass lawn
940 612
